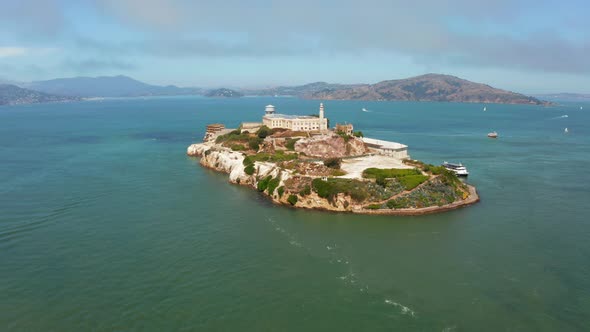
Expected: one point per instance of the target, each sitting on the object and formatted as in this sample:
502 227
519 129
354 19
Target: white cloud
12 51
16 51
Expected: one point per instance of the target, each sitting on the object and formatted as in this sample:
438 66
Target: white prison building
295 122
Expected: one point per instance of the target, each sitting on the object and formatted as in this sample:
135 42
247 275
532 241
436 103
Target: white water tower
269 109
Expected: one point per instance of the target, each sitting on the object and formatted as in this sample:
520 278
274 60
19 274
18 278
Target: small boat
493 134
484 108
365 110
566 131
458 169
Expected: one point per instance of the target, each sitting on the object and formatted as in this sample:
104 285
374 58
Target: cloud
16 51
12 51
34 19
95 65
526 35
420 29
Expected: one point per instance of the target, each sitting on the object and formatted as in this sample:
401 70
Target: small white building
295 122
387 148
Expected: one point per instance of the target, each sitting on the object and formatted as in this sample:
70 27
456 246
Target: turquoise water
106 225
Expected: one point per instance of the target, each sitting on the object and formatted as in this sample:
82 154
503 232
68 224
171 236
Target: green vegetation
305 191
334 163
290 143
238 147
337 172
249 163
438 192
281 191
254 143
358 134
233 136
356 189
278 156
373 173
263 184
263 132
249 169
412 181
373 206
343 135
273 184
292 199
436 170
408 178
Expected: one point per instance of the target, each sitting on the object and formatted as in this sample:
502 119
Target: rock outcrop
331 146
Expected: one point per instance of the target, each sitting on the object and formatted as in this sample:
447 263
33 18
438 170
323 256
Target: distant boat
365 110
581 107
493 134
484 108
566 131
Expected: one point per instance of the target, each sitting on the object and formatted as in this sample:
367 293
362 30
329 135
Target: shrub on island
263 132
278 156
329 189
290 143
263 184
273 184
305 191
408 178
334 163
249 169
292 199
254 143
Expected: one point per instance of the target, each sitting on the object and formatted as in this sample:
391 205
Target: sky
526 46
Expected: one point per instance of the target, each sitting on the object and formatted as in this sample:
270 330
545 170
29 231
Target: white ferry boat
458 169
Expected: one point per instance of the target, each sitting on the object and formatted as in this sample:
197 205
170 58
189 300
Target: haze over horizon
525 46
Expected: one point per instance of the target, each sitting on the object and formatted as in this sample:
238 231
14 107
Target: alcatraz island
299 161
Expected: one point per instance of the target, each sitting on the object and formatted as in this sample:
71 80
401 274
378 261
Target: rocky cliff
331 146
284 186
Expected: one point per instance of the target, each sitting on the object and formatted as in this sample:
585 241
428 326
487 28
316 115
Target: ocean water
106 225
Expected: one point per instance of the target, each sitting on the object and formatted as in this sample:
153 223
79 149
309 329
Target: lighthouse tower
323 125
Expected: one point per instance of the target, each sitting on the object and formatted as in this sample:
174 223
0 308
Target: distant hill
564 96
299 91
430 87
223 92
107 86
14 95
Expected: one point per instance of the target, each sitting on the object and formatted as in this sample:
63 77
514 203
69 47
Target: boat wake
404 310
292 239
560 117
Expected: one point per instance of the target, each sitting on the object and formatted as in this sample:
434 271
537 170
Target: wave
404 310
560 117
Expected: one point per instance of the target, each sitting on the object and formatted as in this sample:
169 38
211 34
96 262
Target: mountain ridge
11 94
106 86
428 87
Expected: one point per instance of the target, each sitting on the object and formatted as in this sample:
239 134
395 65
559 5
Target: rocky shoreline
222 159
